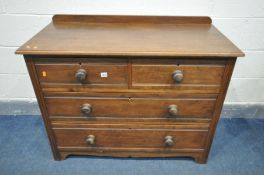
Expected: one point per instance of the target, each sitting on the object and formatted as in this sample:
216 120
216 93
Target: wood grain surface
65 73
130 115
130 138
139 36
130 107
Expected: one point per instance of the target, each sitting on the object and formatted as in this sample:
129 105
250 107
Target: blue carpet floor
238 148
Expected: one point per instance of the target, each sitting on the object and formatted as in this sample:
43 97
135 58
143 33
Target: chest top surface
130 36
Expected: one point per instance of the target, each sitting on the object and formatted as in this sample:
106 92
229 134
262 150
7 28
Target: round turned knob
177 76
173 110
86 109
80 75
168 141
90 139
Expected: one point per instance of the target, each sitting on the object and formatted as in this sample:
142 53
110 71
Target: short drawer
129 138
82 74
177 76
89 107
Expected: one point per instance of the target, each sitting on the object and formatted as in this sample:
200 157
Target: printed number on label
104 74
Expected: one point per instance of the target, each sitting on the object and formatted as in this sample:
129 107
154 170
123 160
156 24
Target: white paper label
104 74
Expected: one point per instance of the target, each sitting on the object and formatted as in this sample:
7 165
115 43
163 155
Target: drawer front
130 107
130 138
177 76
88 73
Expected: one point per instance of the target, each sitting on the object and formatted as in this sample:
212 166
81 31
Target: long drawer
89 107
129 137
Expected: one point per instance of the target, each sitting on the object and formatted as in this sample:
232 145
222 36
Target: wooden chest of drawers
130 86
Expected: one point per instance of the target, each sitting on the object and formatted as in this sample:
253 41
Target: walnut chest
130 86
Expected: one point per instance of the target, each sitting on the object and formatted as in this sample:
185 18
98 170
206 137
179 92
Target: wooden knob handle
168 140
90 139
86 109
173 110
80 75
177 76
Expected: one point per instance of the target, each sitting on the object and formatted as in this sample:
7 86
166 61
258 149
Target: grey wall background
240 21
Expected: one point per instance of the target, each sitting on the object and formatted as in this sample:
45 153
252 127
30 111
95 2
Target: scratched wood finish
130 107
